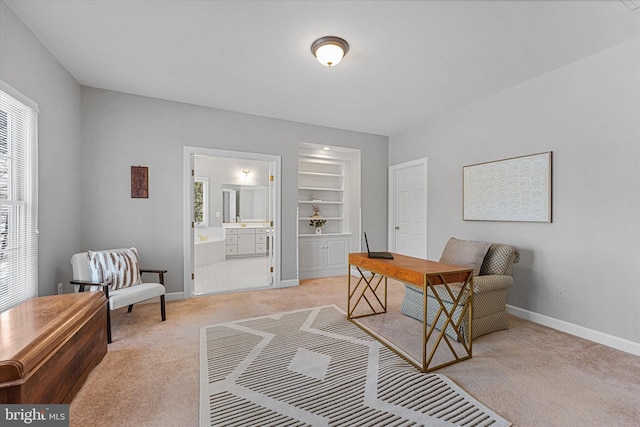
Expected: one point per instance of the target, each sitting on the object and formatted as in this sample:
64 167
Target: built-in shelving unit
321 183
326 180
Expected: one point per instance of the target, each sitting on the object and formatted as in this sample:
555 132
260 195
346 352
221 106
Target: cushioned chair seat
134 294
412 306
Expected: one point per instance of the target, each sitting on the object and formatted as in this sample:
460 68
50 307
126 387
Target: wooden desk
48 346
370 294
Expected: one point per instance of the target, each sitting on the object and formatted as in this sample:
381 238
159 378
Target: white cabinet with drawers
231 242
261 241
249 241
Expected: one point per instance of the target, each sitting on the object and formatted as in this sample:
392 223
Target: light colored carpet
314 367
529 374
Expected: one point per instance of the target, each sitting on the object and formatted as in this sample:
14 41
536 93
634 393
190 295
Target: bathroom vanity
246 239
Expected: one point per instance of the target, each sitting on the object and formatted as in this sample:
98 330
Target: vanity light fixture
329 50
246 172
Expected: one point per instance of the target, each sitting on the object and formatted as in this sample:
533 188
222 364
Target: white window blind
18 198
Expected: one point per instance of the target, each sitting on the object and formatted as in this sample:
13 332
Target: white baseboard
288 283
319 274
174 296
579 331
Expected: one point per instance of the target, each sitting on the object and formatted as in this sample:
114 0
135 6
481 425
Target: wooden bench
49 345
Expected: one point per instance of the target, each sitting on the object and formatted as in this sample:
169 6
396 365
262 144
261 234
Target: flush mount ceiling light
329 50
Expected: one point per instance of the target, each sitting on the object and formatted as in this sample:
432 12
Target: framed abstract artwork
515 189
139 182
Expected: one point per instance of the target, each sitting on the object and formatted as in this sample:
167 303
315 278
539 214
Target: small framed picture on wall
139 182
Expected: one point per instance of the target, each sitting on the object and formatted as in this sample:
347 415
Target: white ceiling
408 60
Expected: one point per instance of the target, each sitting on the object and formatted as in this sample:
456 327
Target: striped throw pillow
119 269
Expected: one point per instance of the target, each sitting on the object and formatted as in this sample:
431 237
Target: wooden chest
48 346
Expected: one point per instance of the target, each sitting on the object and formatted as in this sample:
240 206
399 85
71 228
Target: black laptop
385 255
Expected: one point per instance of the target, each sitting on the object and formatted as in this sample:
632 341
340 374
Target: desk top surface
410 269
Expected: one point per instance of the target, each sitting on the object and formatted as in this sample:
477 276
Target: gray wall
26 65
588 114
120 130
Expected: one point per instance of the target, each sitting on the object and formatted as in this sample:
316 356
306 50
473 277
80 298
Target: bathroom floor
231 275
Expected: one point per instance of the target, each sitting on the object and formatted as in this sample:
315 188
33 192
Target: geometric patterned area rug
313 367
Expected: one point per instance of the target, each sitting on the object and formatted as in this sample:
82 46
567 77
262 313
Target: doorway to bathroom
231 221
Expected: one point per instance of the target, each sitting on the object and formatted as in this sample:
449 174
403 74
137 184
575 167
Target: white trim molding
578 331
19 96
289 283
174 296
188 152
170 296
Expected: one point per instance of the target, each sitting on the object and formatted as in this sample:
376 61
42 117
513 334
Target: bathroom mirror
244 203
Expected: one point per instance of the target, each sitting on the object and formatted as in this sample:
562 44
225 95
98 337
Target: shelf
337 175
324 234
325 179
319 202
312 158
328 218
320 189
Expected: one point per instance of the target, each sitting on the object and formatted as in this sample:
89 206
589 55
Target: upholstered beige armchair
493 277
117 274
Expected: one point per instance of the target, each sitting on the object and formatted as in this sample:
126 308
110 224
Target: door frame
393 170
187 192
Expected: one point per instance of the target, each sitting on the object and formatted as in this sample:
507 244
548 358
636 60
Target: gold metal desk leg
373 285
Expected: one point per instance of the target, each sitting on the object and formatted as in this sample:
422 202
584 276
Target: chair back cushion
117 267
467 253
80 266
500 259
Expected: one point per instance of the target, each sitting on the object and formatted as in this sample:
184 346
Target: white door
336 252
408 208
272 220
246 242
311 254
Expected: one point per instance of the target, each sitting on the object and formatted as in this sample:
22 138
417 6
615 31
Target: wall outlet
60 291
217 214
560 293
